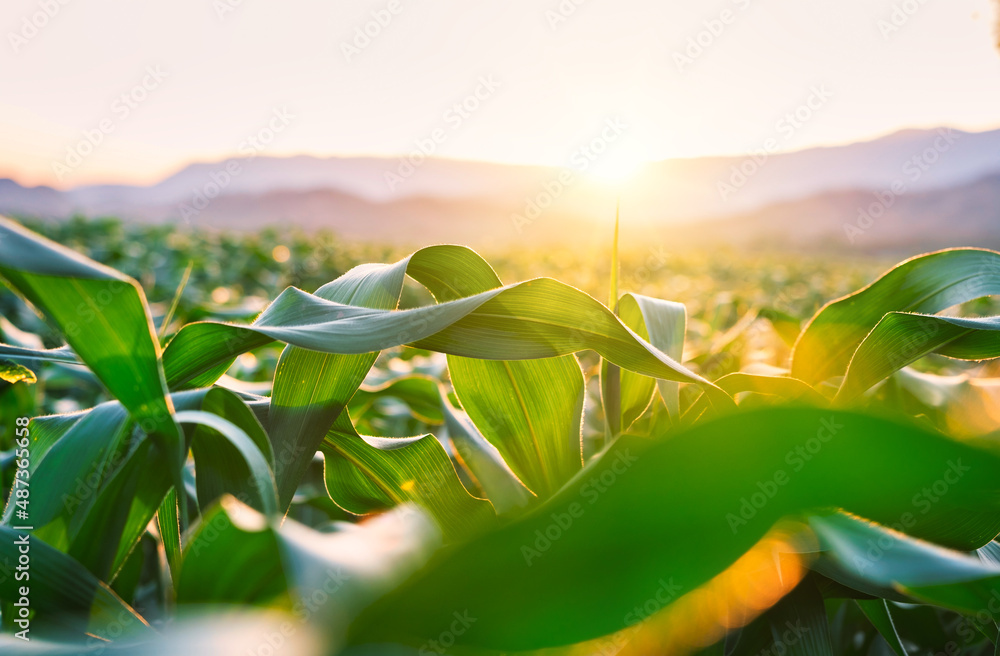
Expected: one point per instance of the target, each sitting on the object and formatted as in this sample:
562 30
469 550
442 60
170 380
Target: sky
121 91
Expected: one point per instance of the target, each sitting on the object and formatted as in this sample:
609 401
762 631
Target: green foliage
459 462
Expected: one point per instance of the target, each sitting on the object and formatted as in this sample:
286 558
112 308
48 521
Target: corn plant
828 508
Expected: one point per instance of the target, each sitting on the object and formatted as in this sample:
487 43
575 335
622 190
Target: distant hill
968 215
948 182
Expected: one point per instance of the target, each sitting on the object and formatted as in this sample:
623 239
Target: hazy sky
203 77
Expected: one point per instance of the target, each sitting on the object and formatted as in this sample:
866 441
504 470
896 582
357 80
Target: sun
617 167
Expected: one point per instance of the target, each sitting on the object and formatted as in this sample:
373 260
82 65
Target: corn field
417 458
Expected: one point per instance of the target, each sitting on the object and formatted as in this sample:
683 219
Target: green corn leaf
663 324
33 357
104 483
417 391
368 474
900 339
231 557
877 611
104 318
229 464
526 585
864 555
537 319
83 451
44 433
63 594
483 460
236 556
95 534
926 284
530 410
252 452
311 389
169 525
229 460
798 623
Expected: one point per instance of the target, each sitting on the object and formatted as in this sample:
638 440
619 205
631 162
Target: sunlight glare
617 166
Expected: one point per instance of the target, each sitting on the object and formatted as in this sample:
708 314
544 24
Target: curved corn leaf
483 461
525 582
46 431
530 410
235 556
537 319
228 461
104 482
368 474
63 594
104 318
860 552
74 466
261 478
231 465
61 355
627 395
900 339
877 611
663 324
926 284
311 389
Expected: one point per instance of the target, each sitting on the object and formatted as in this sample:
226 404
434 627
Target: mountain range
916 188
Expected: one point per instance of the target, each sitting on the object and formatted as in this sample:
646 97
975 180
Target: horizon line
5 175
